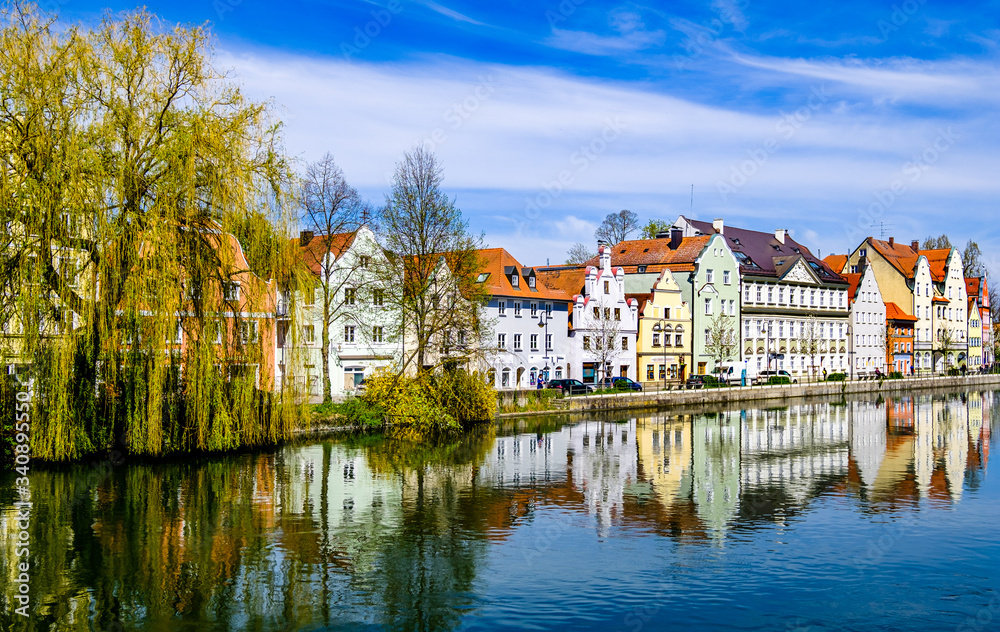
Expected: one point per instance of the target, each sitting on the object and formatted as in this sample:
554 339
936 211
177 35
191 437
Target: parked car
767 375
621 384
700 381
569 386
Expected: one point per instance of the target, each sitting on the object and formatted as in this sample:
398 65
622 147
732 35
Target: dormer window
514 280
642 269
531 282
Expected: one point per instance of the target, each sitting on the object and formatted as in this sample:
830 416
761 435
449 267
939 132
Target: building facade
664 340
793 310
869 334
899 352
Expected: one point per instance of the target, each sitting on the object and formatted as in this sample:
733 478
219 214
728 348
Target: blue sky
835 121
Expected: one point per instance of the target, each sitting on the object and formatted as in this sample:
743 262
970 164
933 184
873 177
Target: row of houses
699 297
696 297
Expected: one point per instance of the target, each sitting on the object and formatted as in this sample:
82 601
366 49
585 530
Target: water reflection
370 533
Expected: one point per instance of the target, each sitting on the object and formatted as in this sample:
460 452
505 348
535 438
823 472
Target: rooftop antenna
883 228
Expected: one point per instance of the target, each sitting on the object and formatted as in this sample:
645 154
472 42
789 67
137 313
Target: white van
732 372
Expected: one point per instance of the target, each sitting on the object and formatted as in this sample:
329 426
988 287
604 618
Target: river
865 514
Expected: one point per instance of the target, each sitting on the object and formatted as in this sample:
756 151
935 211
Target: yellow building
974 362
663 349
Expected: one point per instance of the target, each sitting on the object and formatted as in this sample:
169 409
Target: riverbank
744 394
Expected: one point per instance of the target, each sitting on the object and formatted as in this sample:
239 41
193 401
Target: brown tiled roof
655 254
566 279
641 299
761 254
854 280
497 261
837 263
312 253
972 285
893 312
902 257
938 260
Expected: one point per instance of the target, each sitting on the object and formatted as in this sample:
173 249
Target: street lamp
658 328
543 322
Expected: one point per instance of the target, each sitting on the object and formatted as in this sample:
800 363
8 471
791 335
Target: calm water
870 515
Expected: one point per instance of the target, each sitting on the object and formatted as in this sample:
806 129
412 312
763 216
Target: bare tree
972 262
434 265
944 343
605 344
889 339
579 253
332 209
810 342
936 243
723 340
616 227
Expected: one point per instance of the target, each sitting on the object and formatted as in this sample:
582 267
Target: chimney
780 235
915 245
305 237
676 235
892 242
718 225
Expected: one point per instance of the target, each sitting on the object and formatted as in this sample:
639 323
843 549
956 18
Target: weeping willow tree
143 199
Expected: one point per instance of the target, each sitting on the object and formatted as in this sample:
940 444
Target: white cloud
579 148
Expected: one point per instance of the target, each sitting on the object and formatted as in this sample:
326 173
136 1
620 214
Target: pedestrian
824 374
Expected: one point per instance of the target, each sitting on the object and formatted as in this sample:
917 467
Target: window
548 309
812 297
863 252
708 337
678 340
656 340
641 269
548 341
534 342
249 332
586 342
531 282
350 296
781 295
607 313
624 343
727 277
708 307
607 287
746 294
217 326
732 307
517 308
760 294
501 307
618 314
308 333
514 280
363 261
597 313
505 378
534 309
231 291
770 294
517 342
649 372
348 333
822 298
666 312
709 276
378 334
501 341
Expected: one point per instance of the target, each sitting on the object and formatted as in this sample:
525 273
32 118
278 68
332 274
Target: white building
868 324
530 323
605 325
361 328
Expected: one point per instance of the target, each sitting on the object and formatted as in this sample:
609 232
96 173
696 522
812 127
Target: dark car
621 384
701 381
569 387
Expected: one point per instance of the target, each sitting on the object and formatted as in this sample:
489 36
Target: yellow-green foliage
430 404
125 158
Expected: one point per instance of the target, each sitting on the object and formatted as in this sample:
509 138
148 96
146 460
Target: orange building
899 329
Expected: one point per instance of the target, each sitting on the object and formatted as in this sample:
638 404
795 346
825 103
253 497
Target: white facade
532 340
362 335
923 295
600 314
950 318
868 326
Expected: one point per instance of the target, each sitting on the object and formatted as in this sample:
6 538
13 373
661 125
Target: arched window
505 378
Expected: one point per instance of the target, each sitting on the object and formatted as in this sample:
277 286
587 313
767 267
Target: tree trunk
327 393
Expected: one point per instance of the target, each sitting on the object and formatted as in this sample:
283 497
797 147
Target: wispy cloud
451 13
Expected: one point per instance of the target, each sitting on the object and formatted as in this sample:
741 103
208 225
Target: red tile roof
893 312
568 280
972 285
313 252
854 279
655 254
496 262
900 256
837 263
938 260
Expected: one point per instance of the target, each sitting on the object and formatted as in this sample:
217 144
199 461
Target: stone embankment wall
662 399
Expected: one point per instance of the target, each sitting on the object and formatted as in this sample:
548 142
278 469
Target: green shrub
896 375
836 377
954 372
360 412
778 379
